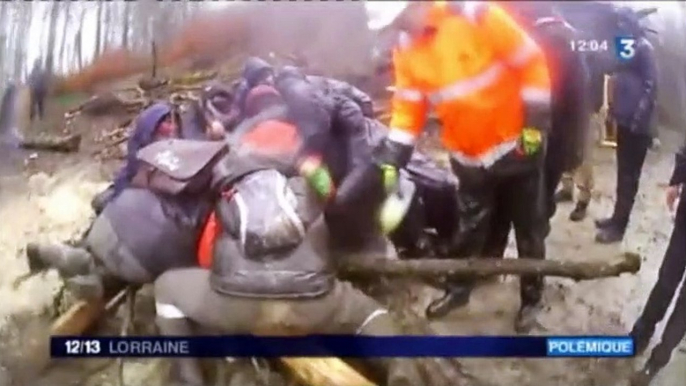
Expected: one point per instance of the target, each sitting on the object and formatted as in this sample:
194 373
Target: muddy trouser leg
343 310
553 177
631 153
475 206
567 182
525 204
669 276
501 224
180 309
584 180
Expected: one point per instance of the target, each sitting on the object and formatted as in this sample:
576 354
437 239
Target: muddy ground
46 197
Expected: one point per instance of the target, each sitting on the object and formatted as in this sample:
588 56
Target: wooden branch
65 144
324 371
484 267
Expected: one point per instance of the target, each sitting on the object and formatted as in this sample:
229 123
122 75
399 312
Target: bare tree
126 25
52 37
63 44
106 22
98 30
78 41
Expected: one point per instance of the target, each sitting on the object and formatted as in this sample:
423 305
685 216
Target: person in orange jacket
488 83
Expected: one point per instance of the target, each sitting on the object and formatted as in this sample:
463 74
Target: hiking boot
609 235
86 287
564 195
453 298
642 377
579 212
604 222
526 318
69 261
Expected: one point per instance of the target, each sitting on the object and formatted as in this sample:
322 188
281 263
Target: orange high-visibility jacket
477 68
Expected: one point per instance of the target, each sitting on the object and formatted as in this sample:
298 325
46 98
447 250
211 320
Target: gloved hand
530 141
391 212
389 175
318 176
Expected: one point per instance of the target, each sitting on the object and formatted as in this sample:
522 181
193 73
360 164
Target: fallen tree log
66 144
353 268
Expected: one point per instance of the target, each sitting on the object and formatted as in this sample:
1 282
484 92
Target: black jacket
337 87
634 89
679 173
570 81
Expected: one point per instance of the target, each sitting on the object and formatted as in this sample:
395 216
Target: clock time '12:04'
588 45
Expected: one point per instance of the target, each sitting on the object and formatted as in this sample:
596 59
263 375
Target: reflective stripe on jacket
479 70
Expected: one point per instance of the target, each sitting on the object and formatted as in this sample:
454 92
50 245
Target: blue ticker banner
351 346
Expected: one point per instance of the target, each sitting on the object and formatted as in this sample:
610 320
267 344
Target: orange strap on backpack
206 242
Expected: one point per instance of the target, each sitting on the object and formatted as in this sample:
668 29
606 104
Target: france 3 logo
625 47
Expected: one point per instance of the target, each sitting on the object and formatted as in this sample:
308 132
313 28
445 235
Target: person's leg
525 203
584 181
669 276
672 336
40 105
501 224
553 177
634 150
475 200
180 308
566 192
621 156
346 310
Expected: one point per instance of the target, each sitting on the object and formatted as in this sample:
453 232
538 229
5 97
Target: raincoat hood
255 69
143 135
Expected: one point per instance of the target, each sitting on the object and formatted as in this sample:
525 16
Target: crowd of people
250 195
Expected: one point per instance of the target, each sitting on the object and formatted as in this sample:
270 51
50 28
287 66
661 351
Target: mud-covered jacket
312 113
274 242
570 91
679 173
634 89
334 86
159 231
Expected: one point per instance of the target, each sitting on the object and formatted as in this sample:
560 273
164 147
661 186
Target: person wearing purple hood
153 123
138 234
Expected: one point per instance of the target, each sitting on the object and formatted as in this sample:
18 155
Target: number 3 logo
626 48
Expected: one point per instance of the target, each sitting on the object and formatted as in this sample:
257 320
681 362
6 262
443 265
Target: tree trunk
52 36
78 41
61 59
125 26
107 25
428 269
98 30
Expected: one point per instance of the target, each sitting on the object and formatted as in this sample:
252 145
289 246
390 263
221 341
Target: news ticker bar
353 346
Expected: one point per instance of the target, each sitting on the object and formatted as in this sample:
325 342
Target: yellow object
391 214
324 372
